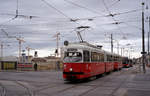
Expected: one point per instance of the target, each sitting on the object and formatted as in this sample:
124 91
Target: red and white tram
83 60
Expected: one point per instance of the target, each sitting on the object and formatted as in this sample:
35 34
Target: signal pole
143 39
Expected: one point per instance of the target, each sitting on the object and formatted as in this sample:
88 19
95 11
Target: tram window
86 55
102 57
93 56
73 57
109 58
117 58
112 58
97 57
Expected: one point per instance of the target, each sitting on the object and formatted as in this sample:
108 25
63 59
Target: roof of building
10 58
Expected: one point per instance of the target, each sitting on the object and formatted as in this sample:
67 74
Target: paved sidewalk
139 85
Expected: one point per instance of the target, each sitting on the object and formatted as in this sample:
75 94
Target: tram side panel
101 68
120 64
87 69
116 65
97 68
109 66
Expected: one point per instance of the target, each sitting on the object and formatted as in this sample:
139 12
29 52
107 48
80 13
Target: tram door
86 60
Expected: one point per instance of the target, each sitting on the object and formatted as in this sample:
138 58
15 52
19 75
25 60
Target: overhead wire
109 15
51 6
113 18
86 8
130 21
83 7
132 26
55 9
115 2
131 11
106 7
13 18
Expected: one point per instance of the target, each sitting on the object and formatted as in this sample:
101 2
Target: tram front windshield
73 57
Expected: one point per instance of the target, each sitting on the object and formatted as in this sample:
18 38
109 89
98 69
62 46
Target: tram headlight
70 69
64 66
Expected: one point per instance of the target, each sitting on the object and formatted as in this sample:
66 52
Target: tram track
81 84
94 88
65 89
118 87
71 86
105 81
3 93
29 91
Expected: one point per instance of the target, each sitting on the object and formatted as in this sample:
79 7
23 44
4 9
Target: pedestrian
35 67
58 65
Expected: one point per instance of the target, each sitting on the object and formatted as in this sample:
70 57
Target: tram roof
84 45
87 46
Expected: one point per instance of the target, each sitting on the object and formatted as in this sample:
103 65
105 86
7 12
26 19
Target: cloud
38 32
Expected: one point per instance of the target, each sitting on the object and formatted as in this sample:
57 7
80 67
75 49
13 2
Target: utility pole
20 41
121 51
148 42
28 49
143 39
111 43
57 44
1 51
148 35
118 47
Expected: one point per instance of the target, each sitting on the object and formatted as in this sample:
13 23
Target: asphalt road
51 83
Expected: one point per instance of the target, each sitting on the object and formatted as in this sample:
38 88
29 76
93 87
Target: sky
38 21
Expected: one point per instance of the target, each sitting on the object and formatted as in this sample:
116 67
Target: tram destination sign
72 49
